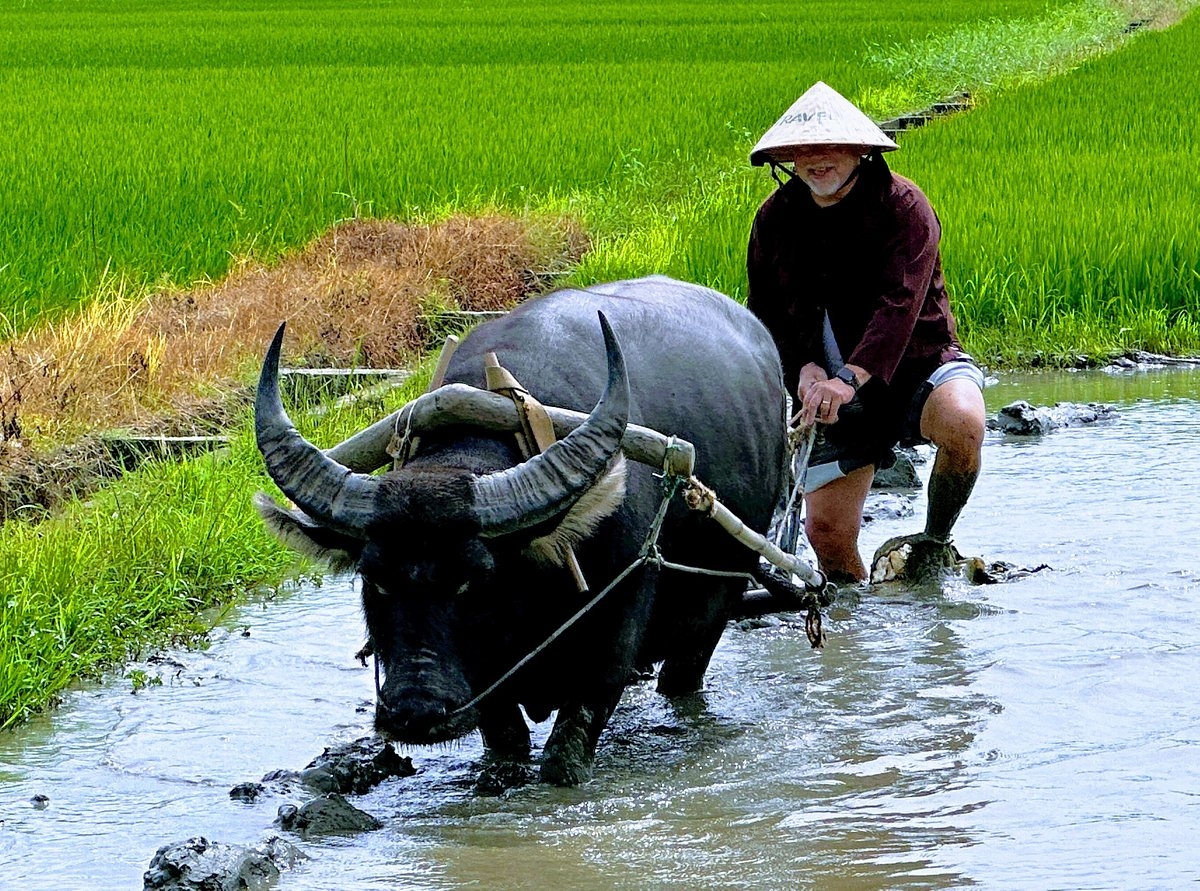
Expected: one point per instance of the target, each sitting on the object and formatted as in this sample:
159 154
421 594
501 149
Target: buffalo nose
416 721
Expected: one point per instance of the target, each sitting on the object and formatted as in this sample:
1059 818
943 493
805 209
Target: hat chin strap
777 167
851 178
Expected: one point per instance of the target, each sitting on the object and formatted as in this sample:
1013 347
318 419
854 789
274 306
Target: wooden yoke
536 433
403 444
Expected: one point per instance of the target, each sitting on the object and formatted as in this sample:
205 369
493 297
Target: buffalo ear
306 536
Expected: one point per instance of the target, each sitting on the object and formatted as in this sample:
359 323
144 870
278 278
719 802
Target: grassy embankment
676 200
143 563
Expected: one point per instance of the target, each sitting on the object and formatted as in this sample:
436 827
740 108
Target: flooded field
1043 733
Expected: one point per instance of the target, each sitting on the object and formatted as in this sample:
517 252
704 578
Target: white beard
827 188
823 190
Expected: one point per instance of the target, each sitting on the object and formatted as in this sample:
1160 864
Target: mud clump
354 768
326 815
498 777
901 475
247 792
202 865
1022 419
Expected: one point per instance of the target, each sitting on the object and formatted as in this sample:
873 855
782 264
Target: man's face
824 168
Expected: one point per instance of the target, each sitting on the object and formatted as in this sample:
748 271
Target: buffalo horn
319 486
510 500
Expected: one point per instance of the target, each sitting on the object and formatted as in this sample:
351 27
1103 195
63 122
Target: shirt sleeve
771 297
912 257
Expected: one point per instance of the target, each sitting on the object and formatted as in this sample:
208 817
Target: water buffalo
461 550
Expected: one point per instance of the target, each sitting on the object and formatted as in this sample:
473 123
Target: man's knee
830 535
962 432
954 418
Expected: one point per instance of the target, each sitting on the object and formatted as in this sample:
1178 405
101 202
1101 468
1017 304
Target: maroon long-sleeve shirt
871 260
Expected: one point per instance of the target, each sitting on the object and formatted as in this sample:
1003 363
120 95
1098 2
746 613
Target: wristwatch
846 376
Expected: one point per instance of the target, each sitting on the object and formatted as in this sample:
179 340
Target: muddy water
1043 733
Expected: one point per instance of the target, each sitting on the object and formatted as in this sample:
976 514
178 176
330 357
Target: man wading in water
843 261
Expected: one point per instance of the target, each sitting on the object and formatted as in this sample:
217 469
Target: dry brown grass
362 294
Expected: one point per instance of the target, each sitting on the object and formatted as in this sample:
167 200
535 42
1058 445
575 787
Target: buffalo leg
682 671
506 750
571 747
683 674
504 731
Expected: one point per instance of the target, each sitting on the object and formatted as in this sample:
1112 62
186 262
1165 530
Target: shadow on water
1010 736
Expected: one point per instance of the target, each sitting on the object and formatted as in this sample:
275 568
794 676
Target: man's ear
306 536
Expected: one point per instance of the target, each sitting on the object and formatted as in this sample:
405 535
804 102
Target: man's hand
821 396
810 374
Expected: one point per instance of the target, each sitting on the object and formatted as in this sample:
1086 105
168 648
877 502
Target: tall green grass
154 140
1069 207
141 561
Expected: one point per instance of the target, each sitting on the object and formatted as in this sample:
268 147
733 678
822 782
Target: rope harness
677 480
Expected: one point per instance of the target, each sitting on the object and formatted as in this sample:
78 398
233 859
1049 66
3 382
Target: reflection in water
1041 733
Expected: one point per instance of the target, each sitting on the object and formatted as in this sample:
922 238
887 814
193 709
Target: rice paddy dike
166 149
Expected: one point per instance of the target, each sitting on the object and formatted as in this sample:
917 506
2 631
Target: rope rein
648 553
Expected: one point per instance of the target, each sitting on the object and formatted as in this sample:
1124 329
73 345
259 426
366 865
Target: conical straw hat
822 116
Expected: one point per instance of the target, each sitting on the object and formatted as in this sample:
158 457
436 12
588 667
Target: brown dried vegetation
365 294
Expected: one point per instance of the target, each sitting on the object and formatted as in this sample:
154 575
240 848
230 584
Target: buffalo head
423 540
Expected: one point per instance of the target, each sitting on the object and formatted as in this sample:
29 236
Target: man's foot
916 558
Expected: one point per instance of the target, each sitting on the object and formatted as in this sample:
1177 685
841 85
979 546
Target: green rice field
1070 207
152 142
155 142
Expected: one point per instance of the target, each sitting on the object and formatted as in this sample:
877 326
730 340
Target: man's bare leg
953 420
833 517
